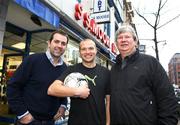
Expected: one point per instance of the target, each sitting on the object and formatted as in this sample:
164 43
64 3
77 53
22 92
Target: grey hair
124 29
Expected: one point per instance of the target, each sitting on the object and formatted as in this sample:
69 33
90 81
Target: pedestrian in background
89 106
27 89
141 93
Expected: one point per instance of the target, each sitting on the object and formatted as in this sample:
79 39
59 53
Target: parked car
177 93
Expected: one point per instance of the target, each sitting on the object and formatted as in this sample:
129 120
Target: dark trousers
37 122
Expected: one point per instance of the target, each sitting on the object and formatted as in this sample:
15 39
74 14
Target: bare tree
156 24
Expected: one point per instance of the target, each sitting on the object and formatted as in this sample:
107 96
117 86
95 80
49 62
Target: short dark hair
58 32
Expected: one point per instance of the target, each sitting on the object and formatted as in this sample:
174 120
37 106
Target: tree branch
169 21
144 18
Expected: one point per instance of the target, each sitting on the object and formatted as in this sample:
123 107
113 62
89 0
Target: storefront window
101 60
71 55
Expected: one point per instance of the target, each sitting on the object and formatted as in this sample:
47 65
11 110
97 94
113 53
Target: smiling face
88 51
57 45
126 44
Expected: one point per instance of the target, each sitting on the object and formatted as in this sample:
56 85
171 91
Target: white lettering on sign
101 17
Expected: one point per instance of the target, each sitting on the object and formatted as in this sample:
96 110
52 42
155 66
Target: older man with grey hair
141 93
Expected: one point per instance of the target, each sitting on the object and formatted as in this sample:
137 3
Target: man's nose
123 38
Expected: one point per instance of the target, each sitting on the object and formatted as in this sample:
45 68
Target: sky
169 33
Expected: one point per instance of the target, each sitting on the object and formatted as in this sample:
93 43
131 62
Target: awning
41 10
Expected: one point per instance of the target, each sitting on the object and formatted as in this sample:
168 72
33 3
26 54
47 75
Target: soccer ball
75 79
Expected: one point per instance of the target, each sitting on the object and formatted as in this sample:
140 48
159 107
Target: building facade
174 69
25 26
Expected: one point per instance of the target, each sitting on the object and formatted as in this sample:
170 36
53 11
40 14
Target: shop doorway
10 64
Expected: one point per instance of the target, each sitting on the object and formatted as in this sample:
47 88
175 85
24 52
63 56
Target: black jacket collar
129 58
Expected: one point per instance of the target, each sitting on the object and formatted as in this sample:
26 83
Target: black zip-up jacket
141 93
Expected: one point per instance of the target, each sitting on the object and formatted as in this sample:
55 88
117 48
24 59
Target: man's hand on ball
83 91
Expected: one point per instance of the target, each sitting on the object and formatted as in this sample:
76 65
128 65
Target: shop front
27 29
28 25
75 19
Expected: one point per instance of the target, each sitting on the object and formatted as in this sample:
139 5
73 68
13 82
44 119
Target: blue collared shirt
60 61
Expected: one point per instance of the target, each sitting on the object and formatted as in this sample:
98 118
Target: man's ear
136 44
48 42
